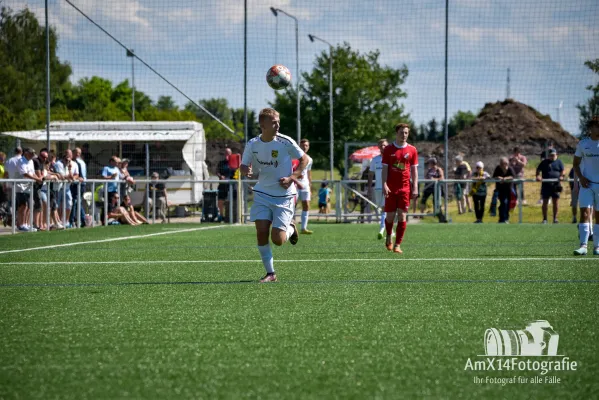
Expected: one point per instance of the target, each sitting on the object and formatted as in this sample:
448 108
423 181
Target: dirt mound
501 126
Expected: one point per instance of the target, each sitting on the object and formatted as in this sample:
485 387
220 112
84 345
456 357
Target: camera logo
537 339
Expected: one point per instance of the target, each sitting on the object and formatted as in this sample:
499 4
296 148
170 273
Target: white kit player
305 189
376 171
586 168
270 155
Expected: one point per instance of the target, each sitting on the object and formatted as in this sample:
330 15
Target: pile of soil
501 126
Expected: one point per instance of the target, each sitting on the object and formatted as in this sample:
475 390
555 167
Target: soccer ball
278 77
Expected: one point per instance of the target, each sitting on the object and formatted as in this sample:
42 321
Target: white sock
289 231
382 224
267 260
305 215
583 230
596 237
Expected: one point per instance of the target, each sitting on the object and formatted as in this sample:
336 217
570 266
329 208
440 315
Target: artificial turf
181 315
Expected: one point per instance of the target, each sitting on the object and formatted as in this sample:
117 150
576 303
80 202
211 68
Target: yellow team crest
274 153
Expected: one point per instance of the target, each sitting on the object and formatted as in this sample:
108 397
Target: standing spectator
111 173
479 191
24 190
38 204
551 168
544 155
3 175
505 174
161 198
324 199
467 187
518 162
433 172
461 172
124 175
11 171
574 188
78 202
54 190
70 172
224 172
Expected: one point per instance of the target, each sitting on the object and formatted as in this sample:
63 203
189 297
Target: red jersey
399 161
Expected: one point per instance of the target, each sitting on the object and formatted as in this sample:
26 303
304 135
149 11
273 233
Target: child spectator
324 199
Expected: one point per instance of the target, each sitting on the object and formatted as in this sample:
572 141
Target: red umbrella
366 153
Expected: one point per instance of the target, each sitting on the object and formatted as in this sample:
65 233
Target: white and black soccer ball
278 77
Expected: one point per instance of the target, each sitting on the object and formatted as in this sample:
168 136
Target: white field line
116 239
399 259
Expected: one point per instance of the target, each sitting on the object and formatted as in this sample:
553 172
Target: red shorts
399 200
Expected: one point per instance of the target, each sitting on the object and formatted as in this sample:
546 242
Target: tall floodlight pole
312 39
47 79
446 135
276 12
130 54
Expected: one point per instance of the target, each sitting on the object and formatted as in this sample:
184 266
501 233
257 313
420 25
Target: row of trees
367 96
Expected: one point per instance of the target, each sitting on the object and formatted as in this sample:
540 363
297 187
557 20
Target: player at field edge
271 155
586 168
376 170
400 183
305 191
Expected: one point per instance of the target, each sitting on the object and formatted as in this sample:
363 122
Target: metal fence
351 201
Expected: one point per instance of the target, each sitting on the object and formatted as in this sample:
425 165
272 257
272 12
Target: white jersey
12 167
376 166
304 180
588 150
272 161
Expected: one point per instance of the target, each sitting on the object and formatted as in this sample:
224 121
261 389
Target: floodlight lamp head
274 11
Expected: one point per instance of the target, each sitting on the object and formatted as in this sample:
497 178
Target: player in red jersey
400 163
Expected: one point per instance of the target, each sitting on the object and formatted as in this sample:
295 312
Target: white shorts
304 195
589 197
379 199
278 210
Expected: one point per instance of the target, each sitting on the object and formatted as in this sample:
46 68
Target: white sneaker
59 226
581 252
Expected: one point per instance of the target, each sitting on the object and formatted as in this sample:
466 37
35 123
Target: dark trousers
504 206
479 206
77 205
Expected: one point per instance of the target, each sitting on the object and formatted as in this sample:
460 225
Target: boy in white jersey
586 168
305 190
376 170
270 154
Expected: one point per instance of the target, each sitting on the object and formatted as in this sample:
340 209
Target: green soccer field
176 312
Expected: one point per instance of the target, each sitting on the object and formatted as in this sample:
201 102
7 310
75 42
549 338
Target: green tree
460 121
23 68
591 108
166 103
432 131
366 102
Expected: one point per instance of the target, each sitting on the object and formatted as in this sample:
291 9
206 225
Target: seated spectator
551 168
118 214
135 216
479 191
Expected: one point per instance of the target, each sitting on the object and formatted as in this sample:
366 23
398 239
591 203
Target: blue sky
198 45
